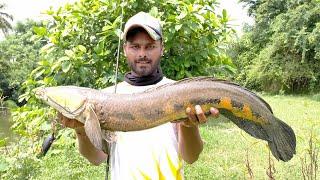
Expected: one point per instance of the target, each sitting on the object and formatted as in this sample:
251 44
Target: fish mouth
39 92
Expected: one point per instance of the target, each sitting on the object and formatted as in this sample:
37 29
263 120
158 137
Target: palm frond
5 25
5 15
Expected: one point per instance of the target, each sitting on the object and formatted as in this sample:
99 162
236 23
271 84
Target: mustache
144 59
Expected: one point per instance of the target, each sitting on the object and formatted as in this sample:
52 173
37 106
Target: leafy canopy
281 52
80 46
18 57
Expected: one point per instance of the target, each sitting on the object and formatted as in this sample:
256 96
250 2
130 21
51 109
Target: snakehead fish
122 112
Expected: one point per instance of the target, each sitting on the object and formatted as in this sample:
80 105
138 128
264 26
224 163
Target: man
155 153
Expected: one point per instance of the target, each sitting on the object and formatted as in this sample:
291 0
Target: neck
133 79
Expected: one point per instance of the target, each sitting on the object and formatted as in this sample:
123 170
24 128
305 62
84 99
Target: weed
309 163
2 101
271 168
248 166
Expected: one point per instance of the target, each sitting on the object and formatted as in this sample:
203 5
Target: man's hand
86 148
70 123
198 117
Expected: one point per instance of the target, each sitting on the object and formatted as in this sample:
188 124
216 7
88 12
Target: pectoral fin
92 127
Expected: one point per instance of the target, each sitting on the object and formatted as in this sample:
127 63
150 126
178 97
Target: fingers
214 112
200 114
195 118
70 123
192 118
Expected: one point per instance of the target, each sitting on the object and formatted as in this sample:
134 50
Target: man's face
143 54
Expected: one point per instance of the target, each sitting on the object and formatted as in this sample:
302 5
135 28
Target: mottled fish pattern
167 103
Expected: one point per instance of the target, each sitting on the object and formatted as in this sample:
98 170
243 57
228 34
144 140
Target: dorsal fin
208 78
182 81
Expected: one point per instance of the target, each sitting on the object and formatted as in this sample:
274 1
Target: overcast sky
23 9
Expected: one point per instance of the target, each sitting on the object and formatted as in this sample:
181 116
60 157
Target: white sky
237 13
33 9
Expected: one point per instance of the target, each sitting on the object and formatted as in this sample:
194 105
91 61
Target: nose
142 53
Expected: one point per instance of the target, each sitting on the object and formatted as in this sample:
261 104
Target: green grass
224 155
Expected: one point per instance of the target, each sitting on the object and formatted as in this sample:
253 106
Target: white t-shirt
146 154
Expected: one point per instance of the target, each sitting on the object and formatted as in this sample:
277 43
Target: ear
162 49
124 49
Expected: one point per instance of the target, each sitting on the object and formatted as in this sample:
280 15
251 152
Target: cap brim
154 35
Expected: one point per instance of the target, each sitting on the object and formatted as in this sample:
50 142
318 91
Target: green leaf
41 31
38 74
35 70
48 80
47 48
82 48
4 166
224 14
45 126
154 12
66 65
178 27
63 58
200 18
190 8
49 12
3 142
69 53
186 63
181 15
107 28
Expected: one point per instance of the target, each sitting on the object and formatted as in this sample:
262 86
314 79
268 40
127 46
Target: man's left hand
198 117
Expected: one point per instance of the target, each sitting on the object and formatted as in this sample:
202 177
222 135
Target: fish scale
167 103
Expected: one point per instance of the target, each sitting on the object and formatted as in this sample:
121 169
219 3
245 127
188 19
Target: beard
144 66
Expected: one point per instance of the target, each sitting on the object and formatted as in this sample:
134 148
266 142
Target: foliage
81 43
281 51
82 40
18 163
79 46
5 25
18 57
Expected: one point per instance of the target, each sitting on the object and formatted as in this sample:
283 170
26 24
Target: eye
151 47
134 47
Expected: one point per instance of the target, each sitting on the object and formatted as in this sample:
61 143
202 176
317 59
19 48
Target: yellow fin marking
225 103
247 112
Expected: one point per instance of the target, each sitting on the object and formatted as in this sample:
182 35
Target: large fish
120 112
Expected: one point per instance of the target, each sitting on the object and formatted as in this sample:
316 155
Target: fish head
65 99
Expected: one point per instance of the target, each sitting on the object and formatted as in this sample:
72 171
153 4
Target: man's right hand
70 123
86 148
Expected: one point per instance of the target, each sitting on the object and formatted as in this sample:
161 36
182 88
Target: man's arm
86 148
190 143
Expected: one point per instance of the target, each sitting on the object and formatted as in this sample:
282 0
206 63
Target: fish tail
282 141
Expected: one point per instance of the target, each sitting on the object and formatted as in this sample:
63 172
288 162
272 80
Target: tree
281 51
5 25
83 38
80 47
18 57
81 44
